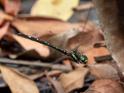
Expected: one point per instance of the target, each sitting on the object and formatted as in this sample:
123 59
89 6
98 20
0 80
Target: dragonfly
74 54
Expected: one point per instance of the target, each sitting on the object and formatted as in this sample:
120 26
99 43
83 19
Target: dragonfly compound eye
83 58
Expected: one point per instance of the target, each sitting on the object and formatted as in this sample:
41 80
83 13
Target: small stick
99 44
103 58
84 6
35 63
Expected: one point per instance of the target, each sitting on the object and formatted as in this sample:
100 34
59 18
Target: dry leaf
11 6
43 26
104 71
105 86
74 79
18 83
29 45
61 9
56 84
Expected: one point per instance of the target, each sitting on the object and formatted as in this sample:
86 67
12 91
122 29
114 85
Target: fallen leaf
11 6
56 84
73 80
17 82
105 86
61 9
44 26
104 71
27 44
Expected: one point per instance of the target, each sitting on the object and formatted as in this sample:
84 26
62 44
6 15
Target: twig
103 58
100 44
84 6
35 63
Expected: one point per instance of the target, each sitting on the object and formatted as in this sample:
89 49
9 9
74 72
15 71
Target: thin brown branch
35 63
84 6
103 58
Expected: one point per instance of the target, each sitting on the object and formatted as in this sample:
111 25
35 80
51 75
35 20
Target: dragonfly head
78 57
83 59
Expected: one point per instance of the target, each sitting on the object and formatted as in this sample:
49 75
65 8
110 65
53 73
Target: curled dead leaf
43 26
17 82
104 71
106 86
74 79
